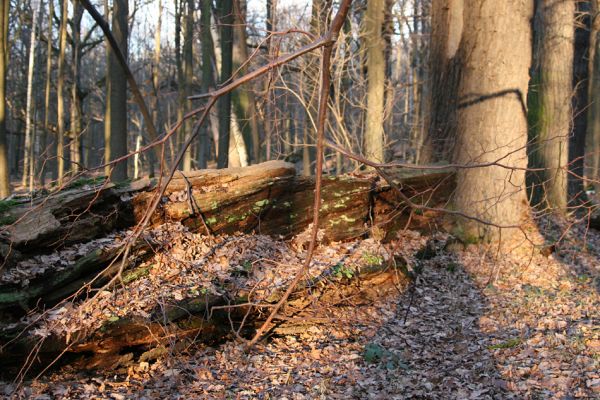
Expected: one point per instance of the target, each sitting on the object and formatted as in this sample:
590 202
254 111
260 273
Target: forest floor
474 325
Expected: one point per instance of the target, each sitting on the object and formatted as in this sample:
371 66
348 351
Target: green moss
7 220
91 181
211 221
345 218
234 218
136 274
372 259
6 205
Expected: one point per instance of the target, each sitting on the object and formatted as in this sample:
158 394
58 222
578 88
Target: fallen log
267 198
204 318
271 199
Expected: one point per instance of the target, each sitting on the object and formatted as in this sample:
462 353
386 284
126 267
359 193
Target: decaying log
270 199
205 318
267 198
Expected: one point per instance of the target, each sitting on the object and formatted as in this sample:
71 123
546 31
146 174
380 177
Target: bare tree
60 96
226 21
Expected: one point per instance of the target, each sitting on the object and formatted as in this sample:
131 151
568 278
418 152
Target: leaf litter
472 326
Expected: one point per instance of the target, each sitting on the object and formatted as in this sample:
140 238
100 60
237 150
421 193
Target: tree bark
444 66
118 93
4 55
207 77
552 113
60 96
28 161
492 122
580 101
593 128
227 21
75 144
46 131
375 47
188 77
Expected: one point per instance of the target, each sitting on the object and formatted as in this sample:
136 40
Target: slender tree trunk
375 48
75 144
492 121
28 162
207 76
243 98
60 96
46 131
4 172
552 112
593 128
440 126
580 100
188 76
227 21
118 93
156 82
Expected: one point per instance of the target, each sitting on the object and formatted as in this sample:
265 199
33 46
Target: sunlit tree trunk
227 21
580 100
243 98
156 81
207 76
375 47
47 91
28 162
60 97
188 76
4 173
491 120
440 126
75 144
552 111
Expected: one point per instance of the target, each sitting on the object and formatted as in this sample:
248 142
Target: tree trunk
375 47
227 21
60 96
156 81
118 93
75 144
207 76
28 161
593 128
4 53
243 97
580 101
46 131
188 77
552 113
447 26
492 121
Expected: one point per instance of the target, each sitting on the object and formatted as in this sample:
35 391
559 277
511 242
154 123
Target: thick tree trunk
552 110
492 120
375 46
444 66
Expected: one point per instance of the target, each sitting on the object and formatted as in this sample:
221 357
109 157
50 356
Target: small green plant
340 270
372 259
247 264
377 354
509 344
452 267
